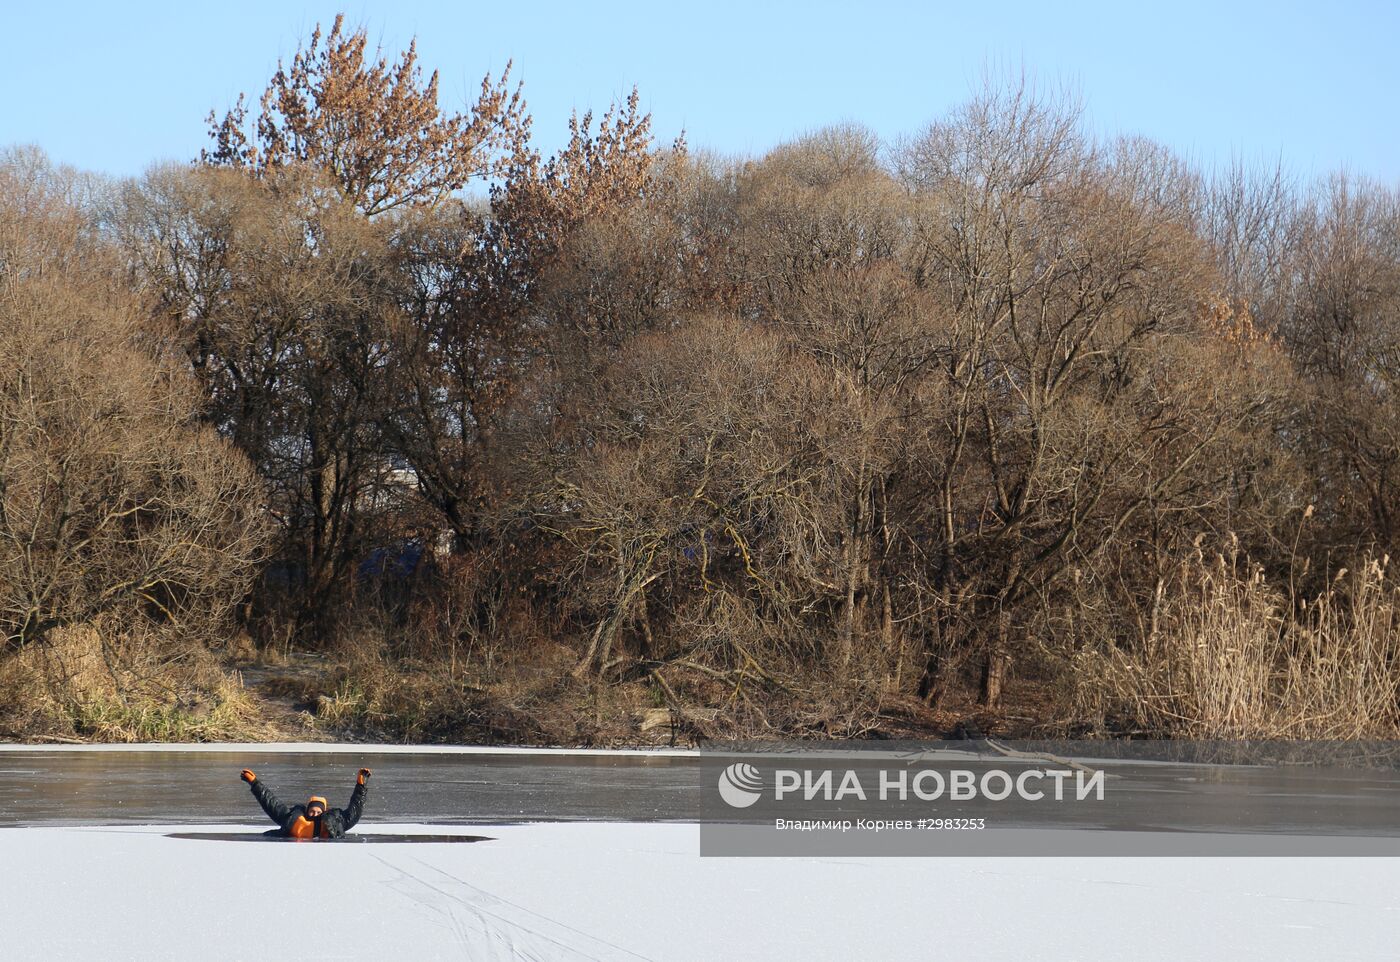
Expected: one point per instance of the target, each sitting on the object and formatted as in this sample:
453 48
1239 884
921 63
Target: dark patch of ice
352 837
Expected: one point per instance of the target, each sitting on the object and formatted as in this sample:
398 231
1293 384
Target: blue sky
114 86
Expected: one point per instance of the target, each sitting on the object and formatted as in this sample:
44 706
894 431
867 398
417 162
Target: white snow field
620 891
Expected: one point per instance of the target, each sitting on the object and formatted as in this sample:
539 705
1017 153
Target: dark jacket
333 823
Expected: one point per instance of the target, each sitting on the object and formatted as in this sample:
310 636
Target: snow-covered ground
641 891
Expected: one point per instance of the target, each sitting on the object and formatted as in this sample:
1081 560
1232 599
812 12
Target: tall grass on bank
1233 656
89 685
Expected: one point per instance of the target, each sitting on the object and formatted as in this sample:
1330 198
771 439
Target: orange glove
248 776
364 773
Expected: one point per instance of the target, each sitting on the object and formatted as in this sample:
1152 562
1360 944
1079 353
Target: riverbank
304 698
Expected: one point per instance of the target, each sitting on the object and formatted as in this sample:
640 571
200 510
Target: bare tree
1341 325
282 294
489 293
114 500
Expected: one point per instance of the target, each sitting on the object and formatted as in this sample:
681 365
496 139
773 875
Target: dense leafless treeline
853 419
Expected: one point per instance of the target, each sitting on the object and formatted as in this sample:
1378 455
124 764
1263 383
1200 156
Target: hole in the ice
352 837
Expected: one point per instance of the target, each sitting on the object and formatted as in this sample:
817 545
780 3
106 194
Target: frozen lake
106 787
196 785
610 870
632 891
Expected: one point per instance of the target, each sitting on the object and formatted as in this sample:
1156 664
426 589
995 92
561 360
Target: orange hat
317 800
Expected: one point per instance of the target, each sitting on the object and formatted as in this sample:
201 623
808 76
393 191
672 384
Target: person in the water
314 819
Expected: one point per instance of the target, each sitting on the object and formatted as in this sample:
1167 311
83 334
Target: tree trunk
933 683
933 677
858 557
595 659
848 617
997 665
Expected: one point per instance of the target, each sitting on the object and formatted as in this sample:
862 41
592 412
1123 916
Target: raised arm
269 802
351 813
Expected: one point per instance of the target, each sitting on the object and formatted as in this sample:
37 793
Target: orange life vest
305 827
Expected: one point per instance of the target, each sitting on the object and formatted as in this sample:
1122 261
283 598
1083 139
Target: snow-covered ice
641 891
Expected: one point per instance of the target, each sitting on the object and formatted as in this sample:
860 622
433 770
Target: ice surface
629 891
